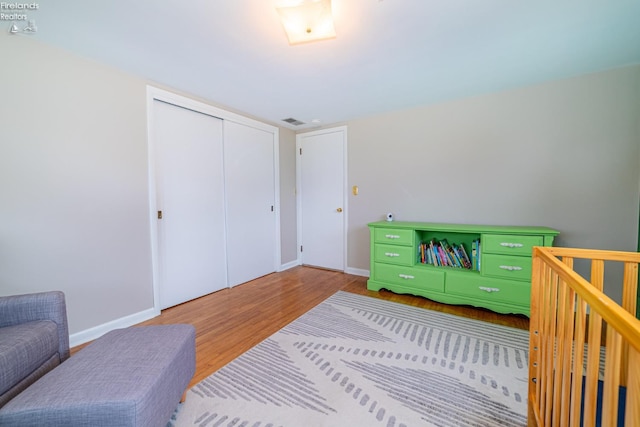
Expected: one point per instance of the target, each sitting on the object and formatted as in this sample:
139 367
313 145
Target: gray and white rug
360 361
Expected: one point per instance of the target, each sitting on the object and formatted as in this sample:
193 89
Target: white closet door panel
190 194
250 190
322 199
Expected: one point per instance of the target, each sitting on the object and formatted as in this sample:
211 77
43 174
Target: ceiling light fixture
308 21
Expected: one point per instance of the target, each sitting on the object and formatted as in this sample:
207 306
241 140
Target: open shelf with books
454 250
479 265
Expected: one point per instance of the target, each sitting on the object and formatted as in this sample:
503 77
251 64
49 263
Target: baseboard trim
289 265
357 271
123 322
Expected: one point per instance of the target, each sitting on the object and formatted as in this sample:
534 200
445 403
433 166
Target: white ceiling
388 54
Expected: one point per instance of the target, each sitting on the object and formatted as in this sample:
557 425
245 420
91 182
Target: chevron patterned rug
360 361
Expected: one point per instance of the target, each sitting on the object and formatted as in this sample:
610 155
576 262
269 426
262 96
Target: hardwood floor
231 321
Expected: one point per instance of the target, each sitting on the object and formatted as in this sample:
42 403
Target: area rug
360 361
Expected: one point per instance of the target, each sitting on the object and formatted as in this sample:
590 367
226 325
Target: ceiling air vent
293 121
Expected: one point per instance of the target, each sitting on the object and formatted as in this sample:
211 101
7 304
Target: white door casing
322 205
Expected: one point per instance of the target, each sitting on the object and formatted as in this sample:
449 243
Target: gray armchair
34 338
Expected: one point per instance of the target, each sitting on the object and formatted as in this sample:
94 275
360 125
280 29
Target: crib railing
574 326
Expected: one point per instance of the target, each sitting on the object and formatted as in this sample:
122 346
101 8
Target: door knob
339 210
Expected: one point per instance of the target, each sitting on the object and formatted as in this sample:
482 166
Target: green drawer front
510 244
508 267
487 289
401 255
394 236
417 278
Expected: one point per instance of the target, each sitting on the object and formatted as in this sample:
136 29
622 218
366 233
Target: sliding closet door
250 190
187 148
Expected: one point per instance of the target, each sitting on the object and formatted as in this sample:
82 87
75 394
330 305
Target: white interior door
250 190
321 173
190 194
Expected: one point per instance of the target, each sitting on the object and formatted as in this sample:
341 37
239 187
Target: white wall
564 154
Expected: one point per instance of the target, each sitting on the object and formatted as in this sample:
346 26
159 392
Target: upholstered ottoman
128 377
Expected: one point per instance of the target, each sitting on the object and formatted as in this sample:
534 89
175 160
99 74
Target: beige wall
73 183
73 173
562 154
74 212
288 219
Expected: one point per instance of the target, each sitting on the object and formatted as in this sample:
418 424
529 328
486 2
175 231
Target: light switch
355 190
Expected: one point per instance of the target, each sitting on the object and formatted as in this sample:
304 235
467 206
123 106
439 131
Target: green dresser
480 265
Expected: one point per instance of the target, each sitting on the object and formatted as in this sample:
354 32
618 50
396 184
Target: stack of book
441 253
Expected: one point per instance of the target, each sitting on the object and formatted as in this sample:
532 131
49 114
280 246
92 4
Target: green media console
412 258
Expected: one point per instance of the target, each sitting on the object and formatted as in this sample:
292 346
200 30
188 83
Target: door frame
345 197
154 93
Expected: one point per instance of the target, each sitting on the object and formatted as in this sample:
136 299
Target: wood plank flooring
231 321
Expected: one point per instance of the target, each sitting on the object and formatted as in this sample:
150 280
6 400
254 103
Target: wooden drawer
487 289
420 278
394 236
506 266
401 255
510 244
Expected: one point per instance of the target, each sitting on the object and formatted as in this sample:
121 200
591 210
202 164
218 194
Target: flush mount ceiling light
308 21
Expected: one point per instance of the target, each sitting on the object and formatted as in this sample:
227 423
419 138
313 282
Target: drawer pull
392 236
406 276
511 245
484 288
511 267
391 254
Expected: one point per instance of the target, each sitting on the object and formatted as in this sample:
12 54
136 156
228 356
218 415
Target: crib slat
597 274
632 416
535 328
547 347
558 378
630 287
543 377
567 360
563 343
549 362
578 361
611 378
593 358
629 302
593 368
